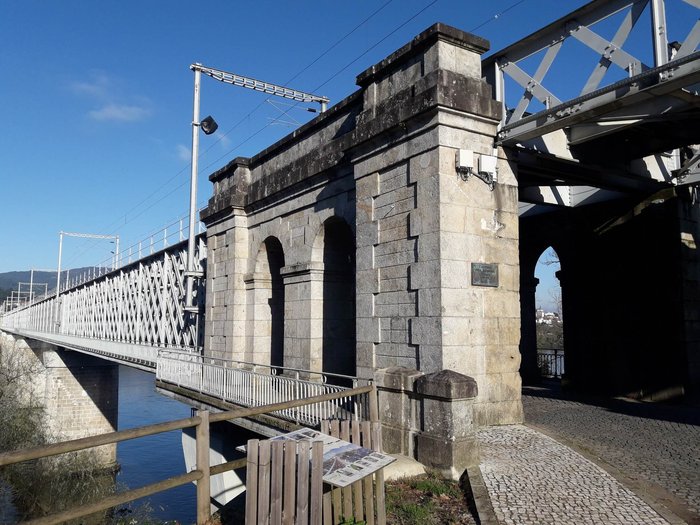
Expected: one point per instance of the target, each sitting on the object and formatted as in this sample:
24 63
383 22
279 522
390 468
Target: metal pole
116 255
58 277
58 271
193 190
500 87
659 35
31 283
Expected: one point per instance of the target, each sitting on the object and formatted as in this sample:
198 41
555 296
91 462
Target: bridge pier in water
79 392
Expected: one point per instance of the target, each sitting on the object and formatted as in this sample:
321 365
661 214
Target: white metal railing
251 385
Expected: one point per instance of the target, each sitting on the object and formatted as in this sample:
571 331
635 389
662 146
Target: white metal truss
140 304
667 74
260 85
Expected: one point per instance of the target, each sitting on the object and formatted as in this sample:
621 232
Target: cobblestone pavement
655 446
533 479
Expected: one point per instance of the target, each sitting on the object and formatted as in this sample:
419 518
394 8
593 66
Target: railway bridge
394 237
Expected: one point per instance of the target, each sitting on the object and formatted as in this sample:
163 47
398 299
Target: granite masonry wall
378 167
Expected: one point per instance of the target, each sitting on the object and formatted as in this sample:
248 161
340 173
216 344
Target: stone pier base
429 417
79 392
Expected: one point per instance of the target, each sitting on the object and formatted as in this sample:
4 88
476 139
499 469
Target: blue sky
97 99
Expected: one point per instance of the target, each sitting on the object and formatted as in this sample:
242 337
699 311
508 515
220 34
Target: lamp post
190 273
209 126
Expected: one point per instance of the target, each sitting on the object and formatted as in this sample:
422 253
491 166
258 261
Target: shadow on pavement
667 411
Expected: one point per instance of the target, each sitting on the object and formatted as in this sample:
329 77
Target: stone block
367 281
501 303
397 378
424 274
364 257
462 302
368 330
425 330
502 359
447 384
367 233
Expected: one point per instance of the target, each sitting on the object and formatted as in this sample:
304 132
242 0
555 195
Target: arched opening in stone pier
339 341
543 300
549 320
268 338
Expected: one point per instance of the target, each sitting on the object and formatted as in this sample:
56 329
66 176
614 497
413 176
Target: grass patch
426 499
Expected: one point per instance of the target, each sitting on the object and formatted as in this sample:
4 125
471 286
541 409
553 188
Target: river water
153 458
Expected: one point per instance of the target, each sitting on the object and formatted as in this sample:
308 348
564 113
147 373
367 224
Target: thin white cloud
112 104
98 86
183 153
119 113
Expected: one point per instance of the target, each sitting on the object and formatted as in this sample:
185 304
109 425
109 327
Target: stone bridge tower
354 246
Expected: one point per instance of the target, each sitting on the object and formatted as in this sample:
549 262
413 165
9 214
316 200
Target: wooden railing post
203 484
373 404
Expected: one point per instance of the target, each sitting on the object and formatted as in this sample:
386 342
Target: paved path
601 463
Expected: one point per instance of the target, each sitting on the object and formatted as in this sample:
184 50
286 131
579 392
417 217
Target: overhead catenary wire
221 136
497 15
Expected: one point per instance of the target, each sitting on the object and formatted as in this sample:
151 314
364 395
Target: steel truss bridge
636 133
631 121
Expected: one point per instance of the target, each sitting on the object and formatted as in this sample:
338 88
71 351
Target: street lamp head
209 125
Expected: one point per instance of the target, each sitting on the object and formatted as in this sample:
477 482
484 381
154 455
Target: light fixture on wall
486 170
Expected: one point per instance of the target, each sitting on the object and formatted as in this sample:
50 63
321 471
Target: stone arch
549 314
334 248
533 245
266 297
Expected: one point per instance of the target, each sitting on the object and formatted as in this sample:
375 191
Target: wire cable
89 244
497 15
220 137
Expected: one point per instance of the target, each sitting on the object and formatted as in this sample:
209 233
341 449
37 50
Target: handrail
201 474
274 368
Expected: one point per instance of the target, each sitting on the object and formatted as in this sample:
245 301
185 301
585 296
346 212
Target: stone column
303 316
80 393
422 229
227 262
528 330
689 222
82 396
259 318
429 417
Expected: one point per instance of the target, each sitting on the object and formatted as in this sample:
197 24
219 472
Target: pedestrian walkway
532 479
591 461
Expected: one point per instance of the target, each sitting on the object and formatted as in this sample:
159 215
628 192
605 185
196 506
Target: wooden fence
203 472
281 489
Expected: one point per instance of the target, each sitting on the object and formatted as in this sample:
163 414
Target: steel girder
666 87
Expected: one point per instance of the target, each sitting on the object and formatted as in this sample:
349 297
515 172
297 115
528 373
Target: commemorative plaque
484 274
